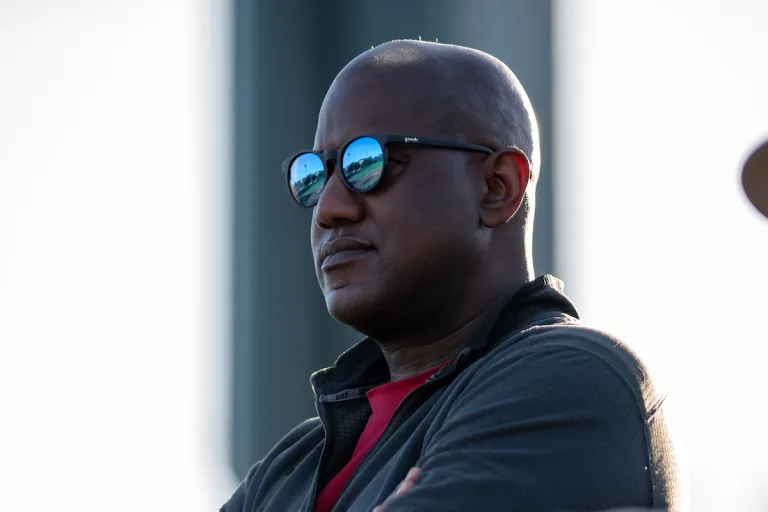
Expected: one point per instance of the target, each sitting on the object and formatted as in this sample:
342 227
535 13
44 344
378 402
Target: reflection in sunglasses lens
306 178
363 163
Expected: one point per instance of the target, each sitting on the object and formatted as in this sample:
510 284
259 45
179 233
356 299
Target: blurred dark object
754 178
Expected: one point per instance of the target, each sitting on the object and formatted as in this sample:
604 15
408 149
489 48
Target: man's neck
411 356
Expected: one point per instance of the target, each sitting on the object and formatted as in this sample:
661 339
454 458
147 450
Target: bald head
445 224
451 91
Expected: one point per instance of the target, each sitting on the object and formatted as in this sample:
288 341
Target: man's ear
506 175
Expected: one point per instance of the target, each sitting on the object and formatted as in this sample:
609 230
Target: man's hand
405 486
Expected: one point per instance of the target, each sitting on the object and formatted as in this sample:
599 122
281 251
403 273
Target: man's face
420 222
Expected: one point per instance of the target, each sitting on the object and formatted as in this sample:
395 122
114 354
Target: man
476 387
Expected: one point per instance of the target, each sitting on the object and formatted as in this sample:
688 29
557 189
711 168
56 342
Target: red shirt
384 400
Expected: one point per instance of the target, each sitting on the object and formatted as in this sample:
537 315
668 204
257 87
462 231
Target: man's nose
337 204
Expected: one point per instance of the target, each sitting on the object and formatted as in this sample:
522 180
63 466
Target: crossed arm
555 429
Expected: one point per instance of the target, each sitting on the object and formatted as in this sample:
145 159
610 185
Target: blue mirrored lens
306 178
363 163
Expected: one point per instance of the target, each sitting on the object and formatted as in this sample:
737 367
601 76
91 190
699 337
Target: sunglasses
361 166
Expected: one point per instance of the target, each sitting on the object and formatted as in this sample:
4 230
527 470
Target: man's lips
340 250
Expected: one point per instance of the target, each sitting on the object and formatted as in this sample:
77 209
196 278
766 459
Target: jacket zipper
310 504
398 410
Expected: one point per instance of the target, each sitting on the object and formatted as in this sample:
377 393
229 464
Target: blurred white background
112 243
113 246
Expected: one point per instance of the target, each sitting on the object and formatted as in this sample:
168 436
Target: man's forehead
378 109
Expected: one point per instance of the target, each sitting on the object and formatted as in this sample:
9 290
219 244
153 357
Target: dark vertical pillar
285 56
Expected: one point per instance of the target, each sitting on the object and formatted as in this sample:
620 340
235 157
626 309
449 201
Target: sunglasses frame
384 139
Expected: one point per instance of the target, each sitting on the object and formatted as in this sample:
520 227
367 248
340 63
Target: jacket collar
363 365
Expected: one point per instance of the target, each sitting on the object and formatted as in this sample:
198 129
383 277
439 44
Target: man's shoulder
568 337
572 372
576 336
301 433
572 354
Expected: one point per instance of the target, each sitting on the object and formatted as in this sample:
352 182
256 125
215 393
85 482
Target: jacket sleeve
554 428
237 502
292 447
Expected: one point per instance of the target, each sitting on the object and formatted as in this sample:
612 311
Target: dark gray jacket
536 413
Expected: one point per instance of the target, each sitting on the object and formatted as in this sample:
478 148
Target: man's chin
349 304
